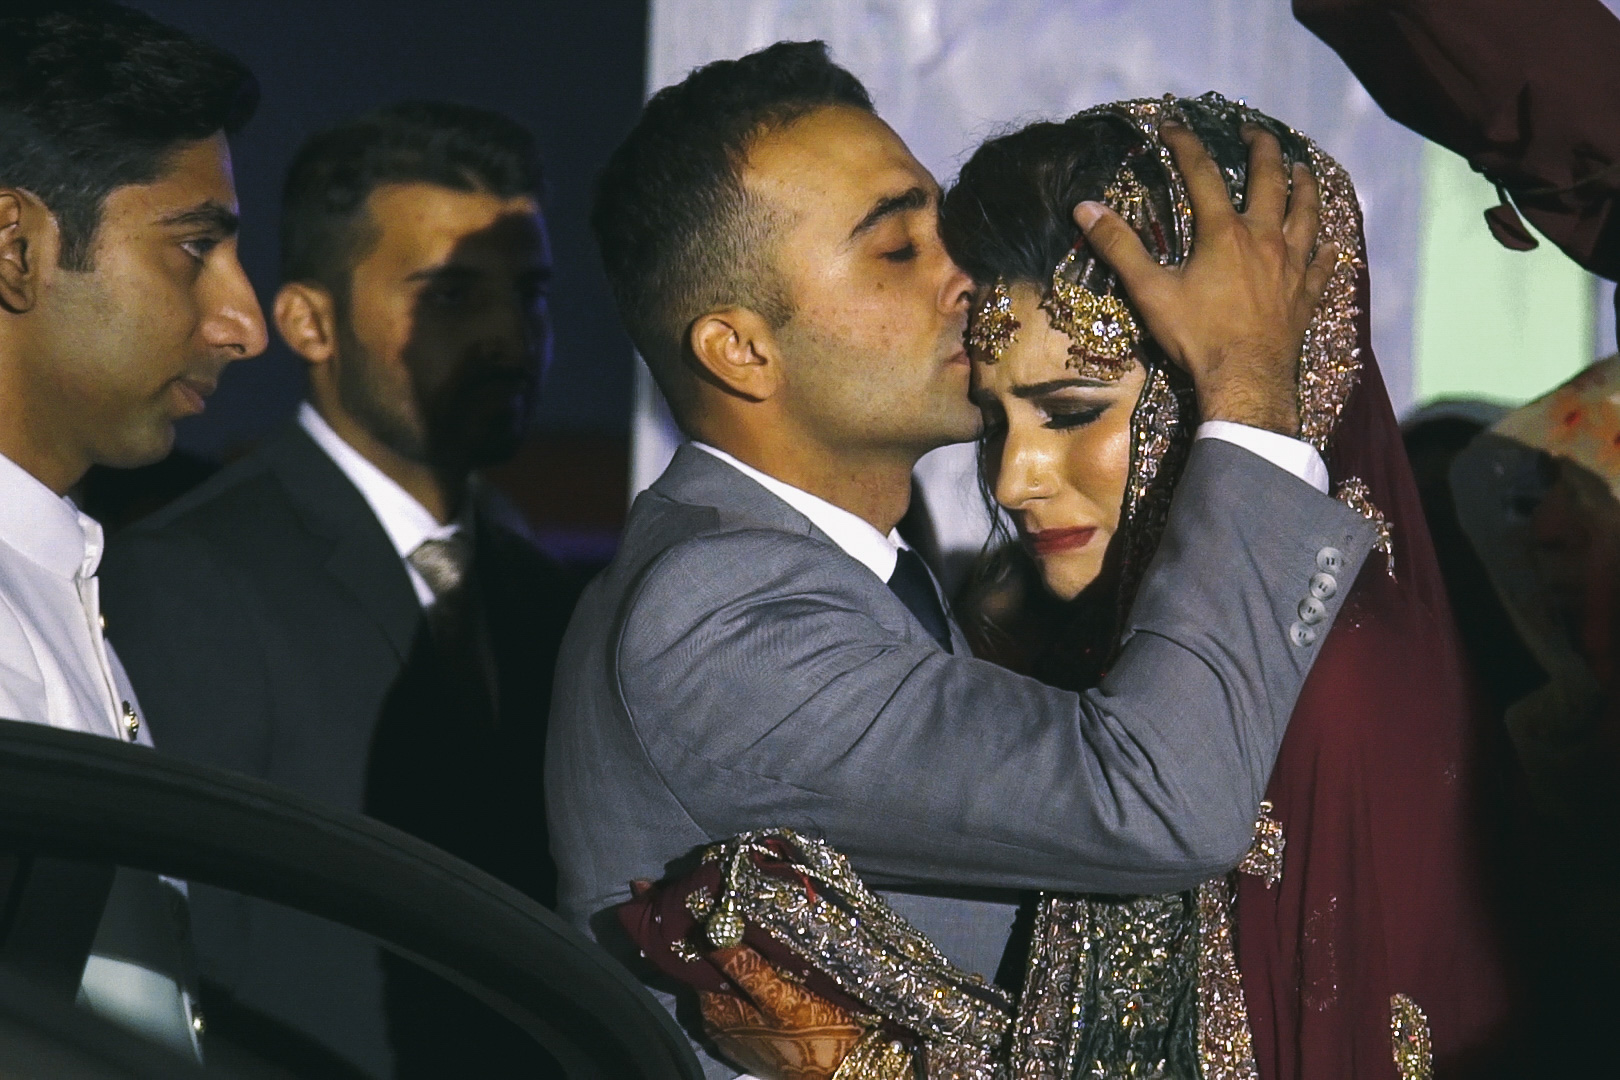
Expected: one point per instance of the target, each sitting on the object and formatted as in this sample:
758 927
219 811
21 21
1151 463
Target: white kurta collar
45 528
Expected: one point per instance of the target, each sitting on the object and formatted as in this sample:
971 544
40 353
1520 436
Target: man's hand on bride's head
1233 314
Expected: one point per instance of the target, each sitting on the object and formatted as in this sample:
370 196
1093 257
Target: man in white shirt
375 628
121 301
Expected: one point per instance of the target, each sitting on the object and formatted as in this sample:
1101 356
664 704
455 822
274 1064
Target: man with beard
347 611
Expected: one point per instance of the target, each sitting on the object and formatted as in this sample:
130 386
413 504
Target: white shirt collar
406 521
858 538
46 528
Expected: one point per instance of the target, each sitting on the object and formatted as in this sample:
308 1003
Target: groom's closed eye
893 207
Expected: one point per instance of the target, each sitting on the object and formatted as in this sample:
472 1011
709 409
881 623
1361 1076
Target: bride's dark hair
1009 216
1010 213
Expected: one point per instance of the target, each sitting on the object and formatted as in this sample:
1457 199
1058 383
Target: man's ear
21 251
736 350
306 318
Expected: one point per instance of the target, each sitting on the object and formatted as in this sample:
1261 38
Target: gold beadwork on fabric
1354 493
1225 1044
685 951
1265 857
992 327
1159 441
725 928
700 902
846 932
1102 991
1102 331
876 1057
1162 427
1130 954
1055 980
1330 363
1410 1040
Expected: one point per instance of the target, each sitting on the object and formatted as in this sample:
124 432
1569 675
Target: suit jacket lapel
362 558
701 479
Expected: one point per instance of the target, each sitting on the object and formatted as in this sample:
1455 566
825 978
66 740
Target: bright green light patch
1488 322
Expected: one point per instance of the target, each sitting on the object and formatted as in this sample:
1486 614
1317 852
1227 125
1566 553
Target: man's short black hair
324 227
95 96
679 235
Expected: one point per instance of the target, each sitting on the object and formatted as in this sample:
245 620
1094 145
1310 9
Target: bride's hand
775 1029
1233 314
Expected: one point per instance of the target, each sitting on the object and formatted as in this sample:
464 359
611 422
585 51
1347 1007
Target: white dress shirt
878 553
859 539
406 521
56 666
1293 456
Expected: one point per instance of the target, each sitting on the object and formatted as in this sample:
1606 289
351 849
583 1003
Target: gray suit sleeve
769 689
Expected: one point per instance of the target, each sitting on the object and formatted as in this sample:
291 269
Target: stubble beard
362 395
873 411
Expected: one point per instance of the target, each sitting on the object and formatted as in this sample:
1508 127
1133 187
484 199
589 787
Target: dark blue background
572 72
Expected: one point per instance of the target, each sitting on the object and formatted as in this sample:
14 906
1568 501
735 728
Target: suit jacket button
1323 586
1312 611
1330 560
1302 635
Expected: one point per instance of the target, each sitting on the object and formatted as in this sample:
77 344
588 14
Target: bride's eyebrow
1041 389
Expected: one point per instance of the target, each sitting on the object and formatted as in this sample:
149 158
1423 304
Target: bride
1357 939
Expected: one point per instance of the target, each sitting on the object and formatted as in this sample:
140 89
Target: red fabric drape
1385 787
1527 90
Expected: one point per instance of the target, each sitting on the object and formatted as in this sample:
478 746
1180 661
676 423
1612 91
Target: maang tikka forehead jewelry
992 327
1102 331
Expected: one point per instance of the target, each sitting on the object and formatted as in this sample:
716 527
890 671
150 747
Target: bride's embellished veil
1148 986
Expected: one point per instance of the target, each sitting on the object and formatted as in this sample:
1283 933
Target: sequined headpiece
1083 300
1102 330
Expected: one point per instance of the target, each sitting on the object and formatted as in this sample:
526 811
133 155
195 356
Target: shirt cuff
1291 455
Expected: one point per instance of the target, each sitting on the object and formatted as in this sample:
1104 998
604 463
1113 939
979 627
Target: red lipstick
1052 541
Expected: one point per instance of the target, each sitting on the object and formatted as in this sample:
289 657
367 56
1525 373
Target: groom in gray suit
765 651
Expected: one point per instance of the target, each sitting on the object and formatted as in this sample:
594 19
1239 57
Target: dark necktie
914 585
454 617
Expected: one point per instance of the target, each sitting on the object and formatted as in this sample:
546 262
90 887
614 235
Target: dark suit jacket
272 629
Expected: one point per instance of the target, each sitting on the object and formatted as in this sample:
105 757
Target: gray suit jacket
734 669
